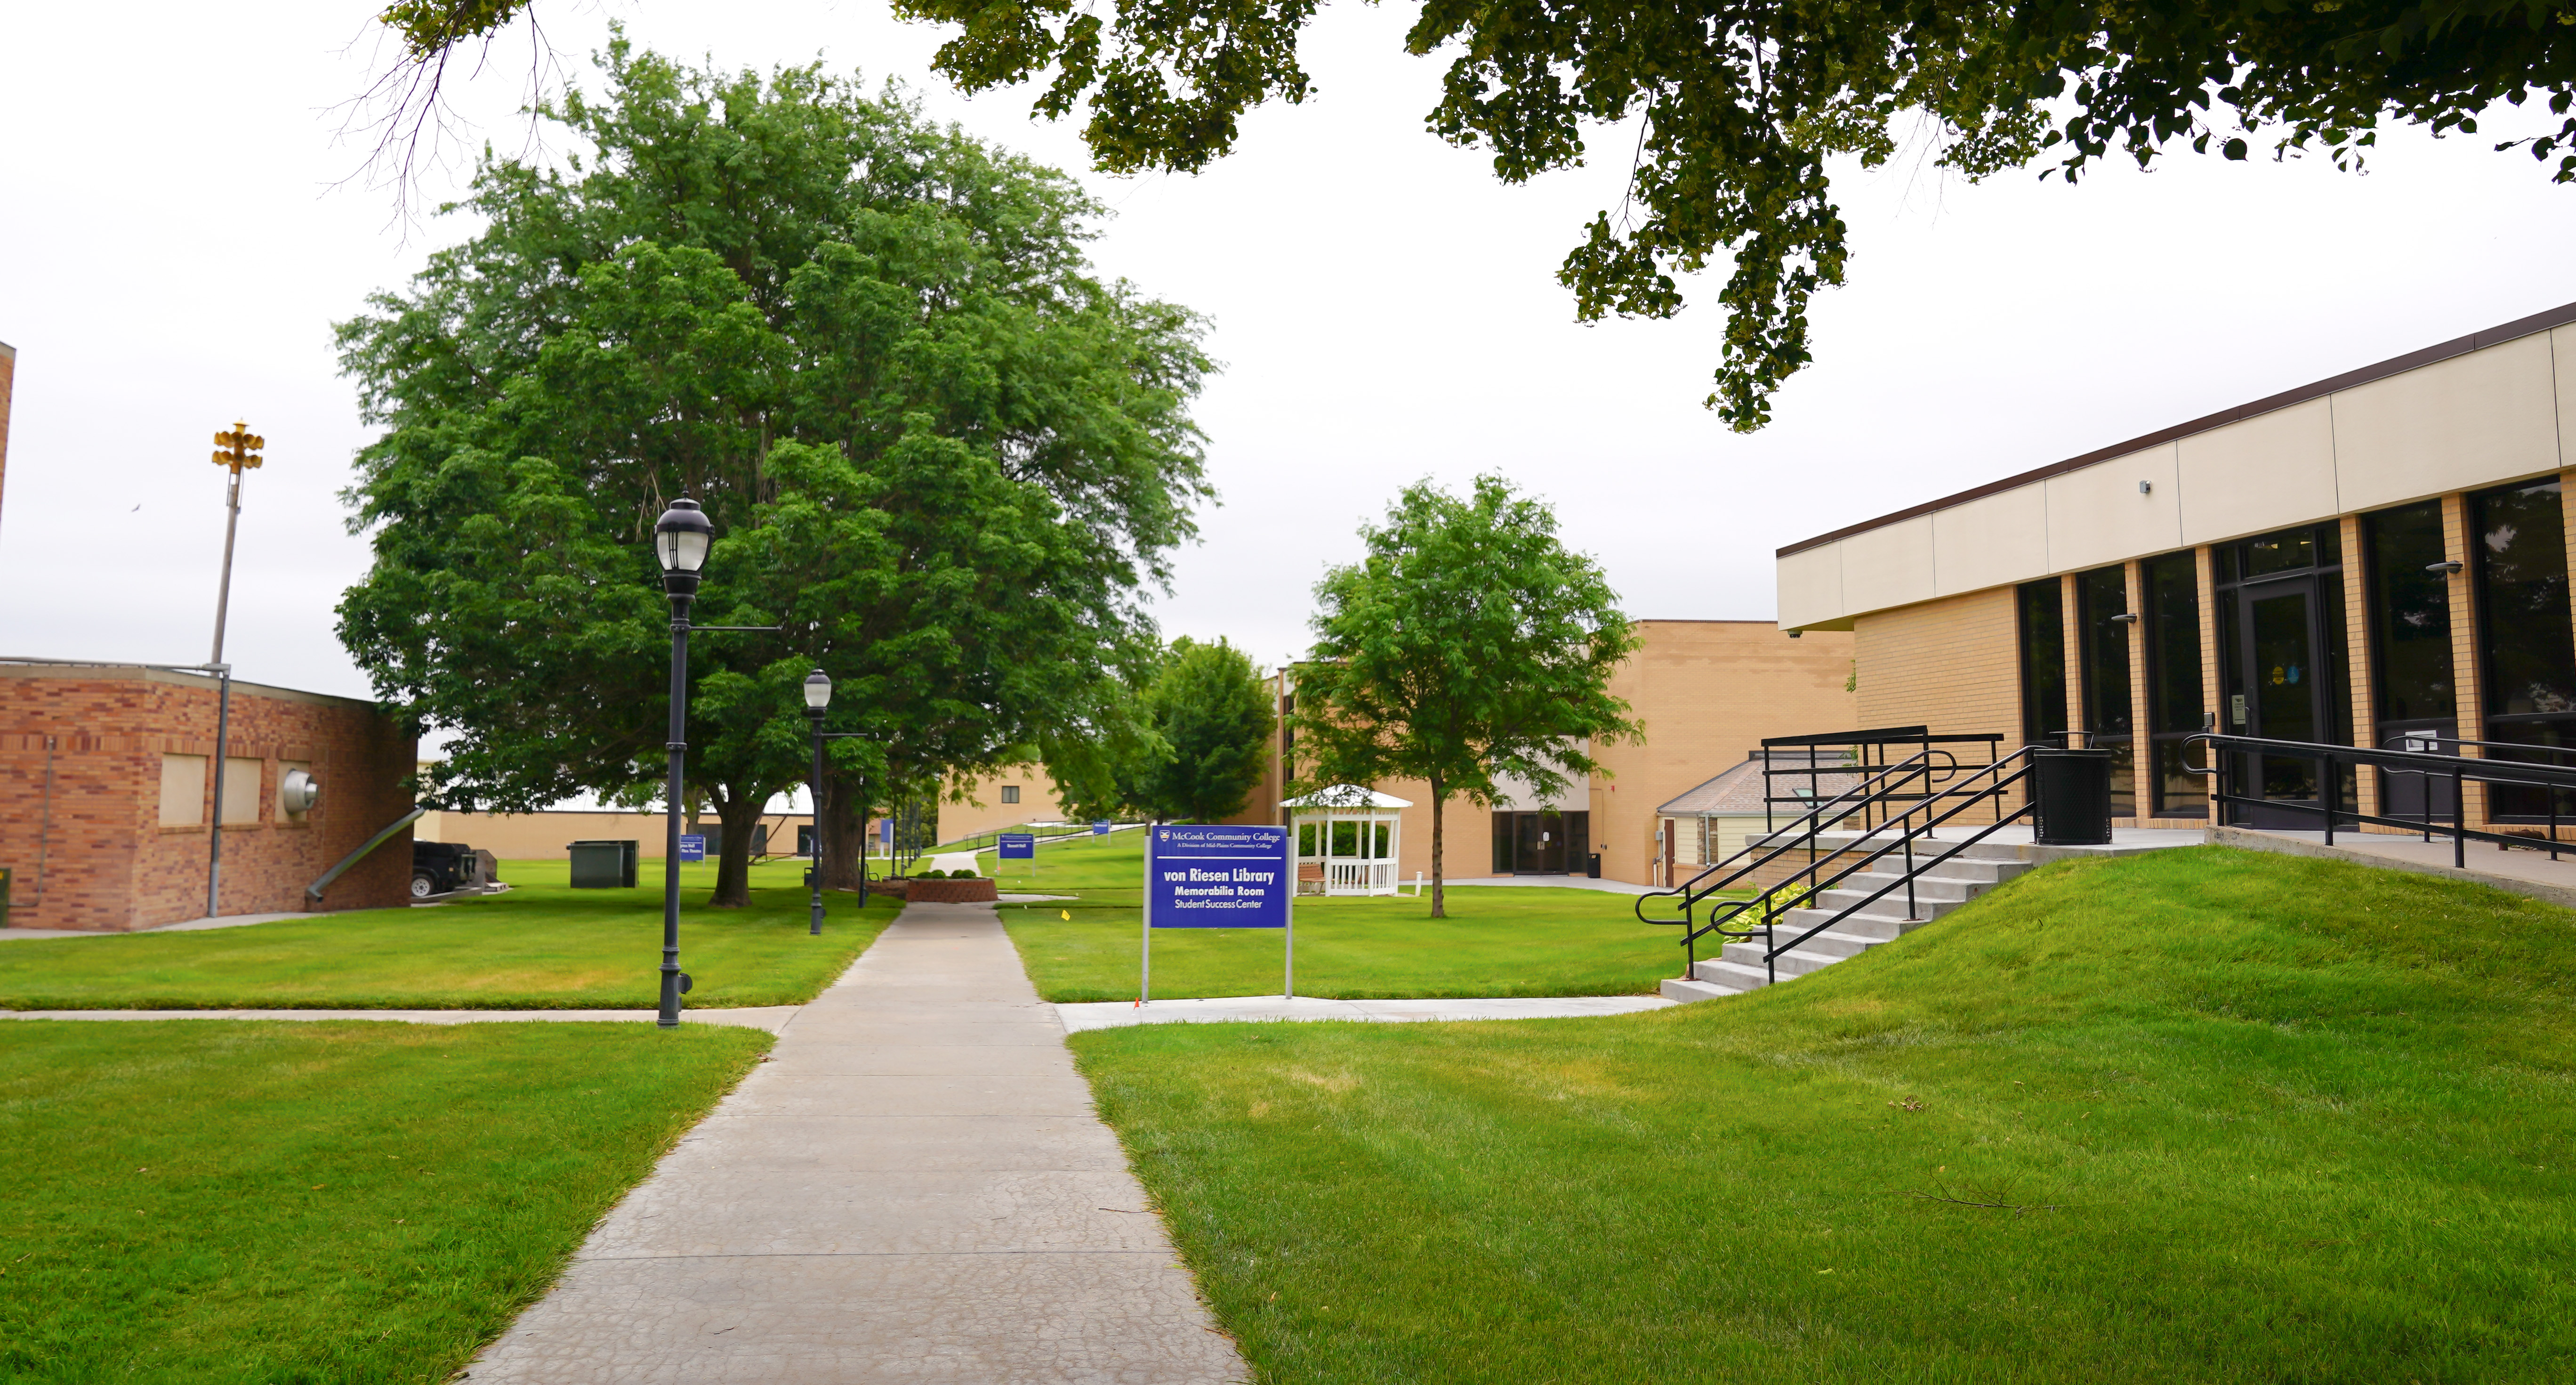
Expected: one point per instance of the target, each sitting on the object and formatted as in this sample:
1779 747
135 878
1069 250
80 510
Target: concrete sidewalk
1117 1014
914 1188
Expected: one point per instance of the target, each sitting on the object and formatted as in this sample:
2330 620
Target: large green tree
1189 743
938 451
1726 111
1469 645
1212 711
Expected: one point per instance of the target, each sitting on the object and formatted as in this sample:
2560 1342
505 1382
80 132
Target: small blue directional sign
1218 877
1100 829
885 832
1019 846
693 848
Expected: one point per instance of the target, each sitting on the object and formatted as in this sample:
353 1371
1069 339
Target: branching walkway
914 1188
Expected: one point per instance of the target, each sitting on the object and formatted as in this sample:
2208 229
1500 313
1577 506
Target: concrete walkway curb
1119 1014
914 1188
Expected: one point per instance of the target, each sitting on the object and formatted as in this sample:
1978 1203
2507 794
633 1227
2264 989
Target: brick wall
81 753
1708 691
1953 665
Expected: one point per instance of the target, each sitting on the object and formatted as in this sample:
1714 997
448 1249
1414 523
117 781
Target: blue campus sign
693 848
1219 877
1100 829
1019 846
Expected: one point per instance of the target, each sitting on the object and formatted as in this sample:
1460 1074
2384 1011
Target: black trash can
603 865
1592 866
2072 791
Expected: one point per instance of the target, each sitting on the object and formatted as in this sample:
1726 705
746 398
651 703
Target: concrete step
1837 942
1795 962
1926 886
1883 926
1732 976
1891 903
1687 991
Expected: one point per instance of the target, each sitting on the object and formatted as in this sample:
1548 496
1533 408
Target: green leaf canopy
936 449
1468 646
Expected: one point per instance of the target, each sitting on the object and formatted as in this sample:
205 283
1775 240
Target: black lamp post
818 698
680 539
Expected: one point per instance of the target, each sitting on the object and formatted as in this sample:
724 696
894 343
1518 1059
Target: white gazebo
1348 840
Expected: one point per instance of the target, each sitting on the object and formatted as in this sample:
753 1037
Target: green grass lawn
1497 941
542 945
2204 1115
215 1200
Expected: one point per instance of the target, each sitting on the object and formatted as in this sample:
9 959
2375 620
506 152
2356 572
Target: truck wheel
423 885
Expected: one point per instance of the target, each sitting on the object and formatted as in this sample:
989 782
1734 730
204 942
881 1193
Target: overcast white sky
173 251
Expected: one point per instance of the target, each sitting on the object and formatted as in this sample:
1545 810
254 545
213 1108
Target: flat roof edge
2395 365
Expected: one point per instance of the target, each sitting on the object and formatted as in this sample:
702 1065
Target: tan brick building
1705 690
2378 556
107 796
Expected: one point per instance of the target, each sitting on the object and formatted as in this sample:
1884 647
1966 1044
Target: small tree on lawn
1469 645
1213 715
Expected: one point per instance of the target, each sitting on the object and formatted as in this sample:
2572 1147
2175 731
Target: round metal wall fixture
298 792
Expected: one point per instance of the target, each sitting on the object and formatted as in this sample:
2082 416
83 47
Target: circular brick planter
978 891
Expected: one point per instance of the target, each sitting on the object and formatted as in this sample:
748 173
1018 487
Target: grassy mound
2201 1115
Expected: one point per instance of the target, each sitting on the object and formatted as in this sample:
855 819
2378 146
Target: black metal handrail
2021 766
1817 818
2225 756
1890 786
1863 752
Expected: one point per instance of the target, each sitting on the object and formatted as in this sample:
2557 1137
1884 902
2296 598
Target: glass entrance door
2281 665
2281 655
1541 844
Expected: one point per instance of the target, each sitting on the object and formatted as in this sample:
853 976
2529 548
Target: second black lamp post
680 540
818 700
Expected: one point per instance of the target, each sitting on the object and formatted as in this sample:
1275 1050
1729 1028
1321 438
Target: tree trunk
740 814
1439 800
843 829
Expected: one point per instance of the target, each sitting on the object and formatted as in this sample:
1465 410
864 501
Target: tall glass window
2527 643
2171 585
2043 662
2101 598
2410 608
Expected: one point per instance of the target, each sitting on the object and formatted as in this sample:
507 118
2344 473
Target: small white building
1714 820
1348 840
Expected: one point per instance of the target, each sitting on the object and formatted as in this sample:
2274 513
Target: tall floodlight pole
680 540
236 451
818 699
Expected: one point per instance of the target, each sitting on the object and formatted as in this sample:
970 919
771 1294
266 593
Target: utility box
2071 795
603 865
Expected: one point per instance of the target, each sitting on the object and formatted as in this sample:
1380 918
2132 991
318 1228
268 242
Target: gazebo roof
1347 796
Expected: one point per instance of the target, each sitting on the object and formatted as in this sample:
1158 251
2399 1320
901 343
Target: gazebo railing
1346 876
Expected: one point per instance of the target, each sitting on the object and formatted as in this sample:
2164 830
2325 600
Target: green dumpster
603 865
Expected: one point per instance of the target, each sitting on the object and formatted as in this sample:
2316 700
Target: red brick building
107 793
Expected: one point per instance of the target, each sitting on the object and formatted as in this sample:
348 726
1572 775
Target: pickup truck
439 868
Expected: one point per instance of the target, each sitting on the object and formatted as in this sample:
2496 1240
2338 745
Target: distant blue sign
1018 846
885 832
693 848
1100 829
1219 877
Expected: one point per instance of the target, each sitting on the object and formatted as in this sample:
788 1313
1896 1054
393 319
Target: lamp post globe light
818 699
680 539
